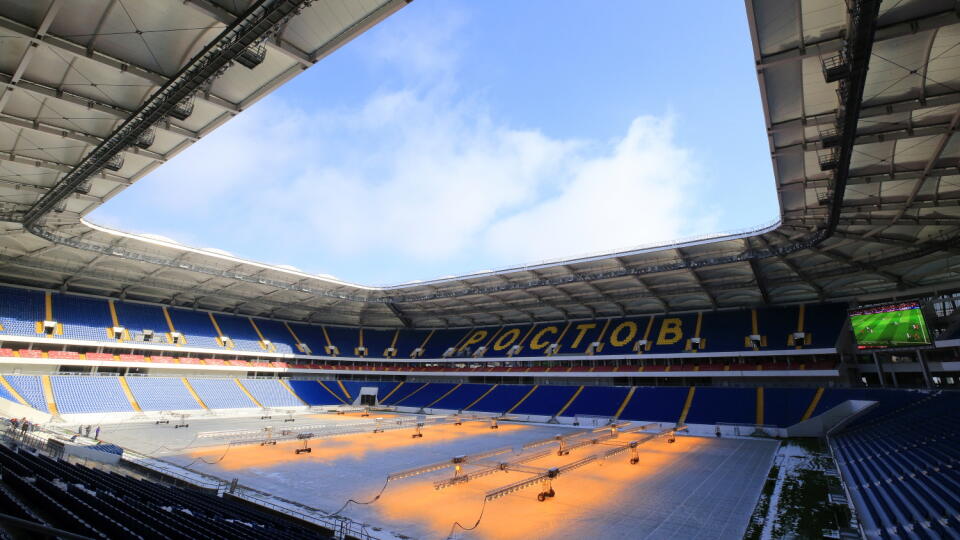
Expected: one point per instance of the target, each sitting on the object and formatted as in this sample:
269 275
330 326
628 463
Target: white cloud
423 177
442 176
424 173
639 190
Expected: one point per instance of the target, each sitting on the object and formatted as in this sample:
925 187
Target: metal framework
869 86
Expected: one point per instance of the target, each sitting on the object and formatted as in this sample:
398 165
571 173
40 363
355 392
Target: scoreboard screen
892 325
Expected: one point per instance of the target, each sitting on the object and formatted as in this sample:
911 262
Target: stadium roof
866 165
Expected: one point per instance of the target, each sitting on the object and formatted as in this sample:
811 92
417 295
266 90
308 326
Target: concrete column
876 362
924 368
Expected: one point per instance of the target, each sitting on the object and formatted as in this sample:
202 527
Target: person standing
97 435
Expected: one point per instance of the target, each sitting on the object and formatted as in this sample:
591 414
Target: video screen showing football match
893 325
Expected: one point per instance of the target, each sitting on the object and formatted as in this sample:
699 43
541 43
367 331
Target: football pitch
891 328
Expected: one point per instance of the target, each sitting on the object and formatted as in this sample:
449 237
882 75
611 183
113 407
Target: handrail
341 526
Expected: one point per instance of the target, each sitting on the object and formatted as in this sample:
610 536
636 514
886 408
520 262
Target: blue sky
458 136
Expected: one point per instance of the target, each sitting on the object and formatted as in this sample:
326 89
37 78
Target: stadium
797 380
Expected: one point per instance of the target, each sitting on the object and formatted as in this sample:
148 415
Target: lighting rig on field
456 462
579 439
515 464
544 478
305 437
275 434
268 439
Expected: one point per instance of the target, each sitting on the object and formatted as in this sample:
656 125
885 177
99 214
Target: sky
459 136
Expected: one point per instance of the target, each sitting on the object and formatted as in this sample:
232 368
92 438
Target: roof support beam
33 188
224 16
29 52
541 299
258 21
80 51
889 132
696 277
835 43
400 315
934 157
793 268
73 135
868 176
514 305
607 297
761 286
92 104
653 293
861 266
642 283
859 49
885 240
103 275
887 220
55 166
855 207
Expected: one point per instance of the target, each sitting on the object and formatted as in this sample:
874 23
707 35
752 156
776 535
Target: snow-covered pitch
697 487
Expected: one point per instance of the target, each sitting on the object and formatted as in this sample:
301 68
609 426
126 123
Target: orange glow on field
579 494
355 446
413 503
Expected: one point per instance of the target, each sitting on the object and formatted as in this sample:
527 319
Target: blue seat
271 393
899 457
161 394
221 394
89 394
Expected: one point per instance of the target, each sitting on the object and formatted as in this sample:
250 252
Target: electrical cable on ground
474 526
371 501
